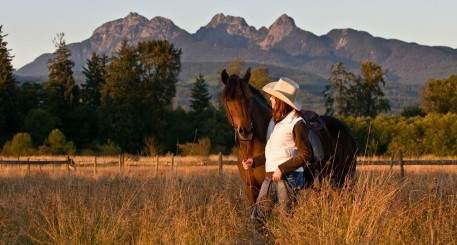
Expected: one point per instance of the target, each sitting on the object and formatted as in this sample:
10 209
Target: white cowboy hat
286 90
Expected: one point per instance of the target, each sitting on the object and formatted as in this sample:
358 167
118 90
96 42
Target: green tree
161 63
57 144
119 117
94 72
439 95
62 91
199 95
138 91
335 94
412 111
21 145
259 77
8 104
368 99
60 68
39 123
235 66
357 95
30 95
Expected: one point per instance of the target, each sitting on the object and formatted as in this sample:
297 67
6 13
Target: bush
110 148
21 145
56 144
201 148
152 147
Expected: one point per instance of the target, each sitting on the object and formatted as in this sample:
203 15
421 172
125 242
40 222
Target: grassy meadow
194 204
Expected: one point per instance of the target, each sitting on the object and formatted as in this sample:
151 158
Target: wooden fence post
220 163
157 165
172 161
95 165
392 161
402 163
121 162
68 164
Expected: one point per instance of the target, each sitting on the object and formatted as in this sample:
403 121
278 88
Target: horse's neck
261 119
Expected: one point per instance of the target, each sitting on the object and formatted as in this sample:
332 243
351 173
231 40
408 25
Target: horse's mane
256 93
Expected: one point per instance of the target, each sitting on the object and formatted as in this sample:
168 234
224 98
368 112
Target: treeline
125 106
430 127
432 134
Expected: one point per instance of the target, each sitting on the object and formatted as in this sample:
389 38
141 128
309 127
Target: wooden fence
122 160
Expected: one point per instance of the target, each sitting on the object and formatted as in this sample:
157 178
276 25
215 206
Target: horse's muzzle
245 133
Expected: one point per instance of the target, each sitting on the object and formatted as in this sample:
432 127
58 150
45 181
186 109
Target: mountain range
283 48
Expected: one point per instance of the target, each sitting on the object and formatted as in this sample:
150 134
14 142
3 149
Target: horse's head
238 101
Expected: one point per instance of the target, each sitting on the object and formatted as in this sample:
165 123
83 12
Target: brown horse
249 113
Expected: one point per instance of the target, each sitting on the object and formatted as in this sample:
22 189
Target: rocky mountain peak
223 19
280 29
162 28
161 21
284 23
132 28
233 30
132 19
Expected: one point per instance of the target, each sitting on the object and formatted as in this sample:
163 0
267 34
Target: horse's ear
224 76
247 75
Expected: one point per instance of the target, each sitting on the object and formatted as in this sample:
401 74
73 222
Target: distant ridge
283 44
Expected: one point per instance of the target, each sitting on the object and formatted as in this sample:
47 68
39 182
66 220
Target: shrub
152 147
110 148
21 145
56 144
201 148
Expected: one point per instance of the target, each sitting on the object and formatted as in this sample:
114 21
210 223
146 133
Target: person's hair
281 110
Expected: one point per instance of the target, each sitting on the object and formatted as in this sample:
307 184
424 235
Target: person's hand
277 175
247 163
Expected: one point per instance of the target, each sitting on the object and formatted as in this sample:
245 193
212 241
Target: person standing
286 153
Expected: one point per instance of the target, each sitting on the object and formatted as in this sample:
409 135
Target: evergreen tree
8 103
200 97
62 91
120 117
161 64
60 68
95 72
137 95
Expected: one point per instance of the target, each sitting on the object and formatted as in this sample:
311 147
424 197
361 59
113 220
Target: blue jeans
283 192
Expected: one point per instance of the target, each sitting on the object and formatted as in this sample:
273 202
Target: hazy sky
32 24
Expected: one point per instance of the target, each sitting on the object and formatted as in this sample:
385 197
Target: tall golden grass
196 205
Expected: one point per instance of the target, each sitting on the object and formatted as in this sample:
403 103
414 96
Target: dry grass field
194 204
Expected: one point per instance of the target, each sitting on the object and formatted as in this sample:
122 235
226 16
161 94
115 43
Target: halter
235 127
